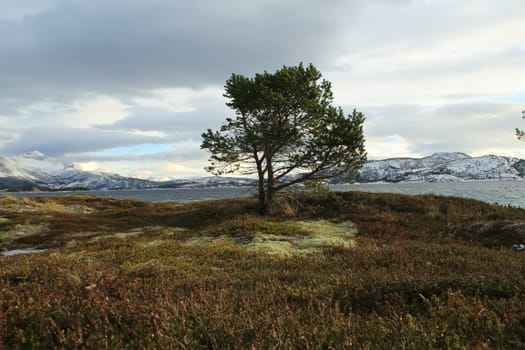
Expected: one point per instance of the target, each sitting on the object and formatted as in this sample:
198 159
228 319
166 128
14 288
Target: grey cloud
16 10
488 62
66 51
429 22
485 109
465 127
421 26
6 133
159 119
131 46
57 141
9 107
190 152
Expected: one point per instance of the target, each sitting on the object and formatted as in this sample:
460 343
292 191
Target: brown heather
123 274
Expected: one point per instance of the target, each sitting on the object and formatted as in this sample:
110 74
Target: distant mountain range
442 167
34 171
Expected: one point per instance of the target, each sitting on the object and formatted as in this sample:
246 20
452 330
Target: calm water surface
182 195
501 192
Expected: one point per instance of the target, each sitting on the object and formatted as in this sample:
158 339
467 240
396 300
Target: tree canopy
520 134
286 131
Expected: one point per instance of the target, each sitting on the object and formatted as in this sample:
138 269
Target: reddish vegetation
127 274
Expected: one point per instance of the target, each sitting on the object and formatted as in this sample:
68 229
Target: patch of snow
35 169
39 170
519 247
441 167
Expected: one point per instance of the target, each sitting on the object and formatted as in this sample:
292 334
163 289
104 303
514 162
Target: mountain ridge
443 167
34 170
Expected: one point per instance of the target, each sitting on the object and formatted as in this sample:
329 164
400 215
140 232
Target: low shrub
133 275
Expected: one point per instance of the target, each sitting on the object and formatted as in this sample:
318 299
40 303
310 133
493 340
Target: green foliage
285 125
317 187
128 275
520 134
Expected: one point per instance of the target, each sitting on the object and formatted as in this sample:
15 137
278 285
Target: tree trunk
268 202
260 188
266 189
270 187
261 204
265 200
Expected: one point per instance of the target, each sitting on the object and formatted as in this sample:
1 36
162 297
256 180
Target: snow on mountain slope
209 181
38 163
443 167
35 169
8 168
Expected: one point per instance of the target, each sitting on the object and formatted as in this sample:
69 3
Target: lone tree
520 134
286 131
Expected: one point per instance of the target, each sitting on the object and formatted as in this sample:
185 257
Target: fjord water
500 192
509 192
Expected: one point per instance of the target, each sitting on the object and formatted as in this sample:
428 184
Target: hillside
443 167
35 170
348 270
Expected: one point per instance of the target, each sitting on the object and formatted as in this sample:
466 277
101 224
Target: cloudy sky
128 86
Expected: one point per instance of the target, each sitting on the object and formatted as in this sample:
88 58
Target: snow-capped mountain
441 167
34 169
209 181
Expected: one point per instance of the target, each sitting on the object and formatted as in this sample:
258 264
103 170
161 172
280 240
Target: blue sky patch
138 149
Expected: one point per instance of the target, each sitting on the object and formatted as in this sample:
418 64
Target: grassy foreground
346 271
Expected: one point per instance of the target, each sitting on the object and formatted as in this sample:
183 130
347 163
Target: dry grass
381 272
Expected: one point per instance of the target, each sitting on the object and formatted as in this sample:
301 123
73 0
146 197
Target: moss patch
22 230
324 227
273 247
150 244
321 234
211 240
285 239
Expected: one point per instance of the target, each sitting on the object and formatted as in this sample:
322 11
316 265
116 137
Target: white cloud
463 127
59 141
80 78
154 168
422 53
389 146
92 166
97 110
179 99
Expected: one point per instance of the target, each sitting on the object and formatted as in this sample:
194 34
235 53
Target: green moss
282 248
324 227
321 241
150 244
315 235
22 231
211 240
